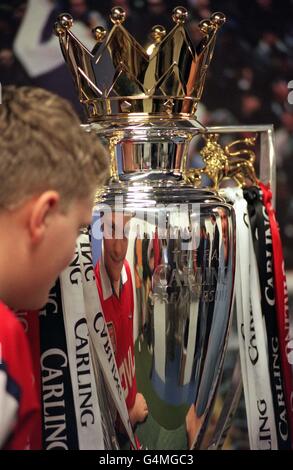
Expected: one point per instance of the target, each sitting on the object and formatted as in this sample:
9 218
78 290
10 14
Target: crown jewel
119 78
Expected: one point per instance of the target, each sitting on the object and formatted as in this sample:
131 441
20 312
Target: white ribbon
252 333
87 410
99 333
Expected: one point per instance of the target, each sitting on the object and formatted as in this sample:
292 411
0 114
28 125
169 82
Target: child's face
54 252
115 244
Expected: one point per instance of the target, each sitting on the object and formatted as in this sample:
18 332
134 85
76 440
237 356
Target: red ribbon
30 321
281 295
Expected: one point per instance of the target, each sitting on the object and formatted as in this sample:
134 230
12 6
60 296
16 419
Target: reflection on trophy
165 269
115 288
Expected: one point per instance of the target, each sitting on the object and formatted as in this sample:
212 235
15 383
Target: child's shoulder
14 347
11 329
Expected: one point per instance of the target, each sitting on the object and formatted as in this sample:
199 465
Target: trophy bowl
164 261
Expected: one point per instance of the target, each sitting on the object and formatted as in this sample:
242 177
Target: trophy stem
149 153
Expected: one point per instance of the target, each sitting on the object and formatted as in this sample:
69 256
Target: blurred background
248 81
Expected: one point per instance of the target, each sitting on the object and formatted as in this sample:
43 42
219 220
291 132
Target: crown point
180 15
64 21
58 30
168 106
218 19
117 15
206 26
158 32
99 33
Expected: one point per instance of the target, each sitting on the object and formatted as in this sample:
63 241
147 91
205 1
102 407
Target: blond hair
42 146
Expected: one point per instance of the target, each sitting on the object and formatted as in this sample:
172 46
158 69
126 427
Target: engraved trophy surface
163 245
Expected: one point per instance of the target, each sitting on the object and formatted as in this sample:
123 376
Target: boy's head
49 171
116 228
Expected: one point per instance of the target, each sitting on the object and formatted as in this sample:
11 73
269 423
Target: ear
43 208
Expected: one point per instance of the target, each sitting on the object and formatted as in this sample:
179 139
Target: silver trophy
163 243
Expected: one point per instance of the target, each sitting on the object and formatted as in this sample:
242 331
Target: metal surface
167 79
180 251
265 165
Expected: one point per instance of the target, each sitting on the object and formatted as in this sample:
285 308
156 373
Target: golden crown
119 78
